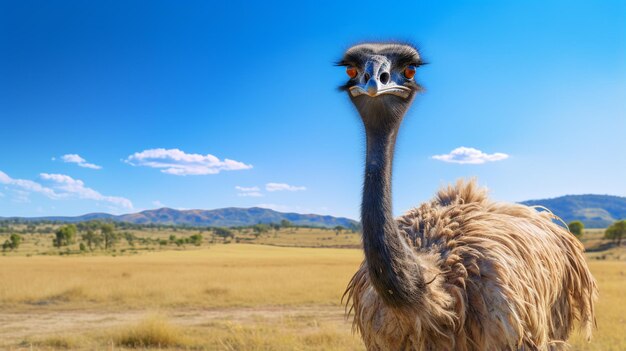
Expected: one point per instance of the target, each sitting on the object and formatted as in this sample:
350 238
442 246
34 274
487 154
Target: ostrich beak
377 79
372 90
372 87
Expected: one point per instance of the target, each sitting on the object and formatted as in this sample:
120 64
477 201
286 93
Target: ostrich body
459 272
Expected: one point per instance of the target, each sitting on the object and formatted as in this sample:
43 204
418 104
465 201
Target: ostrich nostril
384 77
366 76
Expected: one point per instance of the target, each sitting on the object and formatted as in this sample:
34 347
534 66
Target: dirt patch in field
15 327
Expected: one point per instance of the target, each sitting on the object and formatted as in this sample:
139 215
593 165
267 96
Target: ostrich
459 272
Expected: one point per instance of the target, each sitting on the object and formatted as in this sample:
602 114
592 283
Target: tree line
614 232
103 234
94 235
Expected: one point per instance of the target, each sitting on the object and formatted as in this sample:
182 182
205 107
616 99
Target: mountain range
223 217
595 211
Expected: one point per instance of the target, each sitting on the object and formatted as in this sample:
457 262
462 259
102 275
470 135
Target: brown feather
501 277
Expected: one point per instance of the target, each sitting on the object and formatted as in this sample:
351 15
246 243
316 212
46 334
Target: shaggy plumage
499 277
460 272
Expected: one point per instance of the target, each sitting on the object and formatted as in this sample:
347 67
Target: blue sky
121 106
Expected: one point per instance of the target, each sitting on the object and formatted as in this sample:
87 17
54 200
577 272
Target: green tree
196 239
130 238
616 232
6 245
91 238
259 229
90 225
285 223
109 235
15 239
65 235
576 228
223 232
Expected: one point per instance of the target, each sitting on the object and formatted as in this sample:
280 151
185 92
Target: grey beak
372 86
373 71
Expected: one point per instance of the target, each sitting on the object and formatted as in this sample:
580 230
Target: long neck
393 267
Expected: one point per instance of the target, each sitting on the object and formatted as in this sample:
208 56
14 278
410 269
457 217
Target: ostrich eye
351 71
409 72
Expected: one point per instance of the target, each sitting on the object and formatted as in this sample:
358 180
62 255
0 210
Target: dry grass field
217 297
156 239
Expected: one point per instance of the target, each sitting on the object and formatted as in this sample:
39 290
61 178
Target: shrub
151 332
64 236
616 231
576 228
92 238
196 239
223 232
109 235
13 242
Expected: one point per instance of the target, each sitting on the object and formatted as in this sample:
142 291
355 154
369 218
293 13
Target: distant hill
224 217
595 211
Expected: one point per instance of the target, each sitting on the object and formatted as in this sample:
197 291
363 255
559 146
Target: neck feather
393 267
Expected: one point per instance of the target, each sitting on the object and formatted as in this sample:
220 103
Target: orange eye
351 71
409 72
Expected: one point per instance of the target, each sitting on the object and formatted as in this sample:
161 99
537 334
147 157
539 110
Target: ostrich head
381 81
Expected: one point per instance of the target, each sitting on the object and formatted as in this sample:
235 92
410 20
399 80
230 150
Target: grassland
157 239
235 275
217 296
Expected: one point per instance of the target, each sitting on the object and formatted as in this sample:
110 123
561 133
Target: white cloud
283 187
75 187
469 155
252 191
158 204
27 186
74 158
177 162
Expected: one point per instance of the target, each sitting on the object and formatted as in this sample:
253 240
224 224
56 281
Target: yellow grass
34 244
55 342
305 237
611 308
153 331
222 276
226 297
